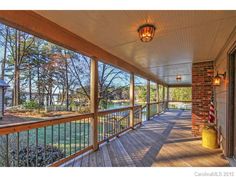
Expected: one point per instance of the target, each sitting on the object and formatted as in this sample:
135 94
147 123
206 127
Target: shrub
31 104
45 156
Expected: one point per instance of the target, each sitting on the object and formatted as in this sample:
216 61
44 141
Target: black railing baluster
99 128
70 137
128 119
52 134
118 126
18 148
80 136
65 139
75 136
103 127
27 158
107 126
114 122
7 151
84 133
45 142
36 142
88 125
59 135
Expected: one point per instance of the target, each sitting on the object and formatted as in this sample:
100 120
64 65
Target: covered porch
164 92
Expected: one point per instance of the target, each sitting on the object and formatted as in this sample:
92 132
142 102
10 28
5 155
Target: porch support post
163 98
157 98
131 97
168 96
94 101
148 99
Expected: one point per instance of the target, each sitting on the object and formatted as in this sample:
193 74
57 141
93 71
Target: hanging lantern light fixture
146 32
178 78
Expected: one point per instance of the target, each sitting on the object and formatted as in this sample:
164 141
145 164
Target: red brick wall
202 90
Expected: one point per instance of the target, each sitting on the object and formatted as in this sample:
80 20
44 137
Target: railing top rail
153 103
180 101
13 128
109 111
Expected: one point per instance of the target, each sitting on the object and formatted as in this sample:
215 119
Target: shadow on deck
164 141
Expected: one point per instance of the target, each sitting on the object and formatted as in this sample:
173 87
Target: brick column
202 90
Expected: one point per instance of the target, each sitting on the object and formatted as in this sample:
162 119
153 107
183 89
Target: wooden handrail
151 103
109 111
180 101
14 128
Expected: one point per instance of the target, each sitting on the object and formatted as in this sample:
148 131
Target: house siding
221 92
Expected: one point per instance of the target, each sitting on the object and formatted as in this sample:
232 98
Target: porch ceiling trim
41 27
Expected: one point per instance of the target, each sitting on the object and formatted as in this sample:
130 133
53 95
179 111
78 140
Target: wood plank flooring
164 141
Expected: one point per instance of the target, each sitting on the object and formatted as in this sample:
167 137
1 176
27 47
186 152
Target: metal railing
154 109
111 122
46 142
184 105
137 115
54 141
144 113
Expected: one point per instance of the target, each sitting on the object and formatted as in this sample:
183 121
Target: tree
5 34
48 74
181 94
19 44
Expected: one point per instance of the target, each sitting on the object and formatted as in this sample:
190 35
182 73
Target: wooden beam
94 101
41 27
131 97
148 100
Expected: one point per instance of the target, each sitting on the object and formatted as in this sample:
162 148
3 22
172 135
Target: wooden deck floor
165 141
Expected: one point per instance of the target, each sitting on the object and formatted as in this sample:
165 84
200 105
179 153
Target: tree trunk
67 86
30 84
16 70
63 95
38 85
5 54
50 96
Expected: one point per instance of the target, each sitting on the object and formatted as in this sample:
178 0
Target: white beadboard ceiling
182 37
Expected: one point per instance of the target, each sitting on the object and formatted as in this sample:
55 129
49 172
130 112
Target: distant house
3 86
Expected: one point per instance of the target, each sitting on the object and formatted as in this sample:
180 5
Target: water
117 105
